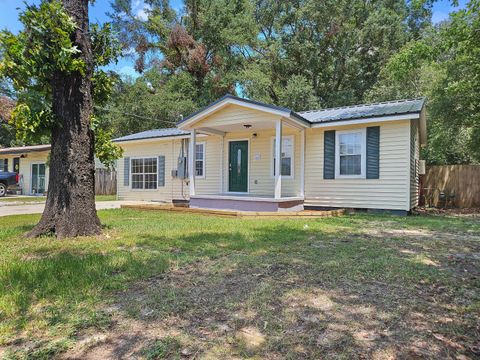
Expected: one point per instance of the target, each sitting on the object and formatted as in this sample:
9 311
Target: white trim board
334 124
231 196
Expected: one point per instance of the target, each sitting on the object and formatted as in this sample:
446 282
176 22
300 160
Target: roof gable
247 103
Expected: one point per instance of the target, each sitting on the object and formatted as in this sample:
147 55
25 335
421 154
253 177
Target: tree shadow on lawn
283 292
57 288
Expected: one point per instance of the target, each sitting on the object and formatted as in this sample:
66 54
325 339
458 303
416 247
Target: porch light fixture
247 126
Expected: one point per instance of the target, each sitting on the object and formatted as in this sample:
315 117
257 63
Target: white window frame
131 172
363 153
292 165
204 144
31 175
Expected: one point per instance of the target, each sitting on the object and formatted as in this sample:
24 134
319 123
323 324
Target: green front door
238 166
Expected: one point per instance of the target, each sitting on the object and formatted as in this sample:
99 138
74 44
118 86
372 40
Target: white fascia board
365 121
156 139
187 124
299 125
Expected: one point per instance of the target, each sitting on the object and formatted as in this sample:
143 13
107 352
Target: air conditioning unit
421 167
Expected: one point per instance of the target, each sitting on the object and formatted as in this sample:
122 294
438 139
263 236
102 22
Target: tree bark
70 207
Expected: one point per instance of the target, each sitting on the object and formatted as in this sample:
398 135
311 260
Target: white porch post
278 159
222 170
302 162
191 161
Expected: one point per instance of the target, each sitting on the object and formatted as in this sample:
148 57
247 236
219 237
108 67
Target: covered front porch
251 160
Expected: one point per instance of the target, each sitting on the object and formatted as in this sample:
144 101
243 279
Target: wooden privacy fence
105 182
462 182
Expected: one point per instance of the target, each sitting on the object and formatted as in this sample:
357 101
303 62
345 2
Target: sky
9 10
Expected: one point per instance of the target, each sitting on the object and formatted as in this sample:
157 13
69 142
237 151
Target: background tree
152 101
7 132
444 66
193 57
332 50
52 64
303 54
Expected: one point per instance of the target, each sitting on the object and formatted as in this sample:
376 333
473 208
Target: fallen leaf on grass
447 342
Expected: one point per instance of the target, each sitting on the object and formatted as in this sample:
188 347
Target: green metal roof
397 107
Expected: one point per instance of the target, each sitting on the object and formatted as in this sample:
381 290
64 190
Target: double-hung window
350 154
144 173
287 157
200 159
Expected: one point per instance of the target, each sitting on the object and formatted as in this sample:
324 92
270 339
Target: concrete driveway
37 208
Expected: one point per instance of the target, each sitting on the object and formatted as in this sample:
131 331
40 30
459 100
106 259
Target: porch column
278 159
302 162
191 161
222 169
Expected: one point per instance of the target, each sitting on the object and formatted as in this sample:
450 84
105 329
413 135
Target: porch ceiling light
247 126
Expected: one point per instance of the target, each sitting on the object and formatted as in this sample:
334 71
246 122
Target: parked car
7 180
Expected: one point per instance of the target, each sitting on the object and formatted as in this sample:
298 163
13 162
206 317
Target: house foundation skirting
246 204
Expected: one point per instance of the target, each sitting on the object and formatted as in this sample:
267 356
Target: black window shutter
329 154
126 171
161 170
373 152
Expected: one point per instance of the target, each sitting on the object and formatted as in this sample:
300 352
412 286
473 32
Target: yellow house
246 155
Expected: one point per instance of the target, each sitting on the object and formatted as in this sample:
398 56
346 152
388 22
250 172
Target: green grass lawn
172 285
29 199
22 199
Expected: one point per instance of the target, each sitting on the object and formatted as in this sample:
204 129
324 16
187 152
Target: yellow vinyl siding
235 115
261 180
390 191
211 182
173 186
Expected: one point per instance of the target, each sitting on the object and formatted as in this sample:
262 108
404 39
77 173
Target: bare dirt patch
288 306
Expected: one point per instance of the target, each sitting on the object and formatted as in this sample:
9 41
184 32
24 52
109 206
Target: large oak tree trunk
70 207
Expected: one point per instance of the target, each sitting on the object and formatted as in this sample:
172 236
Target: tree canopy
302 54
444 66
30 59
